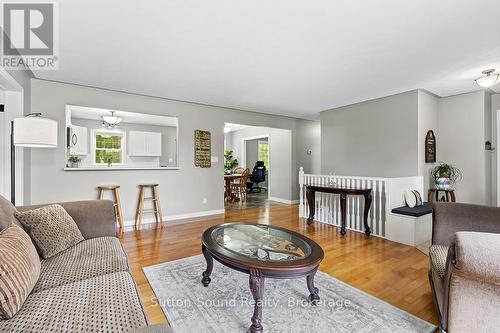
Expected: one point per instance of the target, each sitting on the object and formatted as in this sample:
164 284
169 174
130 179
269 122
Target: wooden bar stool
116 195
155 198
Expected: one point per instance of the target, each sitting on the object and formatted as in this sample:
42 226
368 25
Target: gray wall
181 191
309 138
427 120
460 142
495 108
376 138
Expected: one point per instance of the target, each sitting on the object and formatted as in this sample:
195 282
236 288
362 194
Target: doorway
254 148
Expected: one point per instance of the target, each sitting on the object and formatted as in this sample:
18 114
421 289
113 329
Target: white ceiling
228 127
83 112
285 57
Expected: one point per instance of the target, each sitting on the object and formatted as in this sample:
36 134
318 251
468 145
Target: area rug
226 305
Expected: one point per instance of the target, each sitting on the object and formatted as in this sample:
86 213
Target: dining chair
239 186
238 171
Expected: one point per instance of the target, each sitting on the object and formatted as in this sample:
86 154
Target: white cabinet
78 139
144 143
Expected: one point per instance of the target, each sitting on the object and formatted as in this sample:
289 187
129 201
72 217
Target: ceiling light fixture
489 80
111 121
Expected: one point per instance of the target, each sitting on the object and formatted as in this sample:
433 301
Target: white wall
283 184
461 128
377 138
427 120
181 191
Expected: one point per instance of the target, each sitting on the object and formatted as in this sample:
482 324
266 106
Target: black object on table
343 192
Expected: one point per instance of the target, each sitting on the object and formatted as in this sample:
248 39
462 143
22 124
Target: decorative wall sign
202 149
430 147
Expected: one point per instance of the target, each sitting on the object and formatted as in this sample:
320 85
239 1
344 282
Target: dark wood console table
343 192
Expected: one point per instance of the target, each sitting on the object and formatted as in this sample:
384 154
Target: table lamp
31 131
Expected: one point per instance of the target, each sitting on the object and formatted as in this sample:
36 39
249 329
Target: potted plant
445 175
229 162
74 160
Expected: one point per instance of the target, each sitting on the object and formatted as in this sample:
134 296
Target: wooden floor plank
390 271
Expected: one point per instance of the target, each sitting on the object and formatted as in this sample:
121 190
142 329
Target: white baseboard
285 201
177 217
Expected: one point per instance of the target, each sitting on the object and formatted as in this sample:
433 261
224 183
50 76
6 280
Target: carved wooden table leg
343 199
310 196
368 203
452 194
257 289
210 265
430 196
313 297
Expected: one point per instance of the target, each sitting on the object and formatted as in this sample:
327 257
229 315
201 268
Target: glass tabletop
261 242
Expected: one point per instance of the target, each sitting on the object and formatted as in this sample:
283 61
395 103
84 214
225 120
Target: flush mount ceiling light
111 121
489 80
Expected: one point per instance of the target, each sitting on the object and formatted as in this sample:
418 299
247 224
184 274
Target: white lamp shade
35 132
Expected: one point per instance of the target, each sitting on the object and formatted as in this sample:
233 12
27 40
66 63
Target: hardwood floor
390 271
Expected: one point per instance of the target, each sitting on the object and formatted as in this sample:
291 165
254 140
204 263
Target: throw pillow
52 229
19 270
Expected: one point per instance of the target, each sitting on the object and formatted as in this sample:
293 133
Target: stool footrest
149 211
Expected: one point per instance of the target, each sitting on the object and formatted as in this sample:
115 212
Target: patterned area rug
226 305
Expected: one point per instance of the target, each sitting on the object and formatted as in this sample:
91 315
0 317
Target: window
264 152
108 147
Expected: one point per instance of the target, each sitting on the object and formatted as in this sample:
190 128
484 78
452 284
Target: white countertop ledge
120 168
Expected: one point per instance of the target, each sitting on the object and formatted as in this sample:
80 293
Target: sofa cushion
19 270
87 259
437 256
106 303
7 210
52 229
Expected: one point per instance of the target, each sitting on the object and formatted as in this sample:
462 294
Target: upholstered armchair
465 267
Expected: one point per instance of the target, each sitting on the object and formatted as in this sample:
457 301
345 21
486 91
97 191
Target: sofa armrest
95 218
449 218
477 256
158 328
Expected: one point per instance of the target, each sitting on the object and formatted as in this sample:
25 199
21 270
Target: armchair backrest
449 218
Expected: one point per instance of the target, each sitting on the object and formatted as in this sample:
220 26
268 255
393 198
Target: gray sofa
86 288
465 267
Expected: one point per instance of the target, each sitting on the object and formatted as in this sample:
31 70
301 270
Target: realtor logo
30 35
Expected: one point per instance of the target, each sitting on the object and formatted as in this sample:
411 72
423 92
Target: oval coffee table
262 251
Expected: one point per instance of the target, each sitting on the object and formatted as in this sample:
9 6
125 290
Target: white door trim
14 108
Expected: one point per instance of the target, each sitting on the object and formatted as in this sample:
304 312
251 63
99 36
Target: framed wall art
430 147
202 149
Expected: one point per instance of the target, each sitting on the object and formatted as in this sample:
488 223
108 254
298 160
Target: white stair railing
327 206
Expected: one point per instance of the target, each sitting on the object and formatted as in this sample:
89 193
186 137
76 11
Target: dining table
228 194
